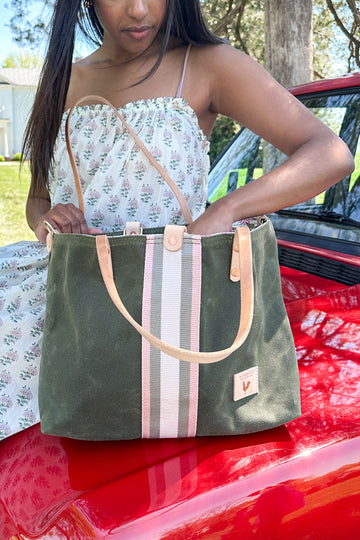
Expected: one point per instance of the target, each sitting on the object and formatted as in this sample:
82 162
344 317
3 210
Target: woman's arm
241 89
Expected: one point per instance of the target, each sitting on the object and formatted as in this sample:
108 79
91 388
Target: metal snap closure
235 272
236 248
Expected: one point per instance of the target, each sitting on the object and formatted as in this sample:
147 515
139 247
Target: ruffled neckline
146 102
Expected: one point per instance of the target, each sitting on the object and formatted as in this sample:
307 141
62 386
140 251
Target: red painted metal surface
346 81
325 253
298 481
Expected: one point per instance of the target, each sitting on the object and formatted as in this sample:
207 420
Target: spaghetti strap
180 87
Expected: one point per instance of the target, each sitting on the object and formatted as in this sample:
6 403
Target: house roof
19 76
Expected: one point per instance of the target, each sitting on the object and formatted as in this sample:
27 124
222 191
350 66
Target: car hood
301 480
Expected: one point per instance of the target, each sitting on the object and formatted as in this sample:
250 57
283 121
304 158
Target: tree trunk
288 40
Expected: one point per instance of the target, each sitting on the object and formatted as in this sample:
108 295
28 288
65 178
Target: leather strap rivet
235 272
236 248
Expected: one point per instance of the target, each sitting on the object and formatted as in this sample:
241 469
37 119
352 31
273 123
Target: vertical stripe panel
171 311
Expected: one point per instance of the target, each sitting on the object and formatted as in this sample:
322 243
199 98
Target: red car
298 481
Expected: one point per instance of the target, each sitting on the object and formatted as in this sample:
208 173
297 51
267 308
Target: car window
248 157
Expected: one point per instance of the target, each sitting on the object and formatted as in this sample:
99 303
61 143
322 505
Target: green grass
14 188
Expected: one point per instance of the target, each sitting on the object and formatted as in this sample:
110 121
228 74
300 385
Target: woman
170 93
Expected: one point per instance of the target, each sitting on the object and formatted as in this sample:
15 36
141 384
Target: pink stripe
146 316
195 336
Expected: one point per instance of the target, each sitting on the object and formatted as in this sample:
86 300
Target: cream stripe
170 333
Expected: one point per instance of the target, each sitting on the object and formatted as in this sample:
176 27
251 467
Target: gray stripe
185 338
155 354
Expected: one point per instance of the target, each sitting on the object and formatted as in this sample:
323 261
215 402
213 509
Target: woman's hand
64 218
216 219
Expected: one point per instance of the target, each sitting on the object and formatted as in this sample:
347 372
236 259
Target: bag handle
242 250
180 197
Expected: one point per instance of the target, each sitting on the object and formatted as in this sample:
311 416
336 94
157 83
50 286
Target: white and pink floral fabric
119 185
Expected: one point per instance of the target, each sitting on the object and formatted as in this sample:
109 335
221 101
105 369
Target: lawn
14 187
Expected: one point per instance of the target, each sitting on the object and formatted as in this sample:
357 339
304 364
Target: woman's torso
118 182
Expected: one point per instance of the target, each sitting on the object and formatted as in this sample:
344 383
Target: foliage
29 31
14 187
17 157
238 21
223 131
24 59
2 158
242 23
347 16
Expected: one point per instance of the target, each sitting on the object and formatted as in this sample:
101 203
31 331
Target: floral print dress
119 185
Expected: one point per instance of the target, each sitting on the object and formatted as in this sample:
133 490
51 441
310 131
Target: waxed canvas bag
159 333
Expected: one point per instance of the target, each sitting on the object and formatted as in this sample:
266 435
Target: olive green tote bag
159 333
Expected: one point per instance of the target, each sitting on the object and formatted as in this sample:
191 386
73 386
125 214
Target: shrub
223 132
2 158
17 157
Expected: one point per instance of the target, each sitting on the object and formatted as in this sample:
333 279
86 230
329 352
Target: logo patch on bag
246 383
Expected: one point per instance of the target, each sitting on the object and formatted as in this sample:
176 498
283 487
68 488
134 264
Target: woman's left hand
216 219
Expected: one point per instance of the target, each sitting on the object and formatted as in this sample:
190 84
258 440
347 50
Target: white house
17 92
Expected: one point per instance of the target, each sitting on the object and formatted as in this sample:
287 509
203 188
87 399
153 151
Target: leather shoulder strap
180 197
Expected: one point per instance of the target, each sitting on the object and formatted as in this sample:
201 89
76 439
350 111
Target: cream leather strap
242 251
181 199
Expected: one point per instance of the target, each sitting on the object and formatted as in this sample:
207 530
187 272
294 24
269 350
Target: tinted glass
249 157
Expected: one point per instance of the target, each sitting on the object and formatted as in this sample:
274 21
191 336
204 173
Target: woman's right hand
64 218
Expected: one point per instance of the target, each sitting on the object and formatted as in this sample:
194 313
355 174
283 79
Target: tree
288 51
335 30
347 16
288 44
29 31
23 59
240 21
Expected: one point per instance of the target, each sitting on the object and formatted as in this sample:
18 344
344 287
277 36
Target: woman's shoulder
82 76
216 54
219 62
76 85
